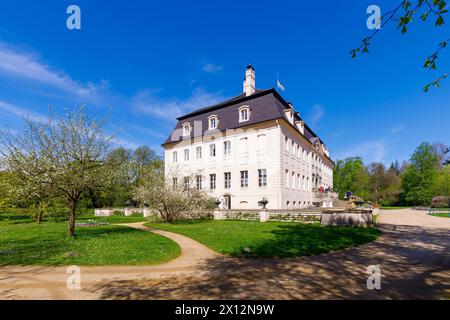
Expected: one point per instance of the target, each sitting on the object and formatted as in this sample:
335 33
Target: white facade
270 153
293 167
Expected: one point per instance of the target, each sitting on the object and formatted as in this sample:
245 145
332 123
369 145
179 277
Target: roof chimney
249 83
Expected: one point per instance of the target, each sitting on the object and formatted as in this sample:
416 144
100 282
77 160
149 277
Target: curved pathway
412 253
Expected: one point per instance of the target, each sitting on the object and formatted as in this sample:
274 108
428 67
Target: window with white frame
198 180
262 178
186 154
186 129
212 122
227 176
199 152
212 150
186 183
226 147
174 156
299 182
212 181
244 113
244 179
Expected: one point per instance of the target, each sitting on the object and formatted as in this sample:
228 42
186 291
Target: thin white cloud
317 113
146 102
27 66
370 151
397 129
149 132
212 68
124 142
20 111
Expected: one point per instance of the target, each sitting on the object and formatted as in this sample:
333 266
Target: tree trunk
72 207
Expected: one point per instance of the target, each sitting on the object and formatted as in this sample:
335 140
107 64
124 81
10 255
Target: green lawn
394 207
441 214
269 239
112 219
24 242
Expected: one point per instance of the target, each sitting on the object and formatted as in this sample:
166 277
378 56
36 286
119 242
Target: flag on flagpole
280 86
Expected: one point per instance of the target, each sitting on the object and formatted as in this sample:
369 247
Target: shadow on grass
295 240
414 265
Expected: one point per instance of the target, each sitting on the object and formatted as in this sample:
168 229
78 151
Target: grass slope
270 239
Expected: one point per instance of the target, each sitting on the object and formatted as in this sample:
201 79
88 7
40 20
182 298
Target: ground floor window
262 177
227 176
212 181
244 179
198 181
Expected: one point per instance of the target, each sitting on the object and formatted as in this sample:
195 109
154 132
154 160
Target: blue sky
145 62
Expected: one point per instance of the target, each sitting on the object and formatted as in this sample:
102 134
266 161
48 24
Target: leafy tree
143 157
351 174
377 180
404 12
418 178
441 183
392 188
60 157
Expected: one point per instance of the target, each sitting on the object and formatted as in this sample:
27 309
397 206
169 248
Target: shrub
118 213
440 202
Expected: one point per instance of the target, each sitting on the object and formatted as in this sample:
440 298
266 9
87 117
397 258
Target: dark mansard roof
265 105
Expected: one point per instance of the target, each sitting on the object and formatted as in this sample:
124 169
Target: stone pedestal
218 215
346 219
263 216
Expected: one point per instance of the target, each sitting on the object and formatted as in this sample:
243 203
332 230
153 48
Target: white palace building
247 148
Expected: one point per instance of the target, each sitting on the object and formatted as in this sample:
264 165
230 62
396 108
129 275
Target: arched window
213 122
186 129
244 113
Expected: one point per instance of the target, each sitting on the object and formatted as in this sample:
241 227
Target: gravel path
412 253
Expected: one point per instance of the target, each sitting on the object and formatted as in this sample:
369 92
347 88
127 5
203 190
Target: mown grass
441 214
395 207
269 239
113 219
25 242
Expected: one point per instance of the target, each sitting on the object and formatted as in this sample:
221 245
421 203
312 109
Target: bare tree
60 157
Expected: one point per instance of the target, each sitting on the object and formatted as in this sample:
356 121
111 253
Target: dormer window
187 129
213 121
289 115
244 113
